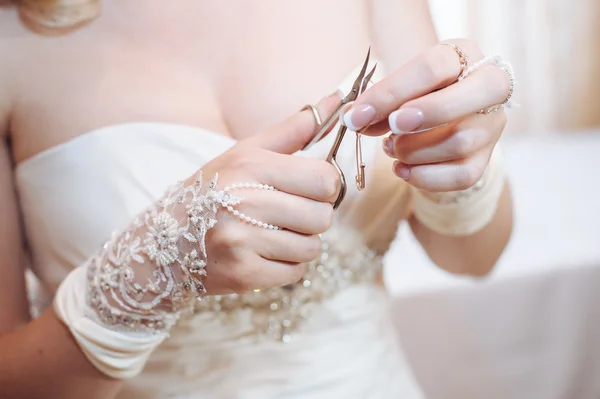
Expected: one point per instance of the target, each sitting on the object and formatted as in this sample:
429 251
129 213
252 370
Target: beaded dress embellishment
277 313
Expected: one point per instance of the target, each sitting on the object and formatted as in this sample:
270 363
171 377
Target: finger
243 257
286 246
432 70
274 273
254 272
296 132
447 176
446 143
484 88
302 176
290 212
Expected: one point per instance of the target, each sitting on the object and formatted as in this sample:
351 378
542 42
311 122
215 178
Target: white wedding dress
328 336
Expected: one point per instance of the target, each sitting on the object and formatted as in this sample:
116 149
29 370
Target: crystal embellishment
278 313
150 273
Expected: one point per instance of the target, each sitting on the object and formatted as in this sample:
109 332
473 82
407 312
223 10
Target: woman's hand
242 256
440 141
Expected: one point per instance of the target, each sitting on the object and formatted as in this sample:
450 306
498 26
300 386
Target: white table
532 329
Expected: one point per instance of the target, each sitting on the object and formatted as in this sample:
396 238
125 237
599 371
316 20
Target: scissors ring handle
343 186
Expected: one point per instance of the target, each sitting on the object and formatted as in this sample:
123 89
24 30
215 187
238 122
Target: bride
154 179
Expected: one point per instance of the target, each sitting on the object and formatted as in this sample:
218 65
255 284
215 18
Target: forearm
462 231
39 358
400 29
74 350
474 254
42 360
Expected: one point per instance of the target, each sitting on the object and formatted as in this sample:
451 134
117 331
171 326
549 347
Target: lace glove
143 279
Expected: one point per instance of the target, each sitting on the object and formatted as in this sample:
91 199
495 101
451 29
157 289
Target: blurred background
552 44
531 329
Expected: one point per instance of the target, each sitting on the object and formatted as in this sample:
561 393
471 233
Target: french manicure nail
406 120
358 117
338 95
401 170
388 146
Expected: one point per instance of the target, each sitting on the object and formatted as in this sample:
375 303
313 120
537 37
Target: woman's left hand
440 142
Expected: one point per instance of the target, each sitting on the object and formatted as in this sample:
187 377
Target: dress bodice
74 195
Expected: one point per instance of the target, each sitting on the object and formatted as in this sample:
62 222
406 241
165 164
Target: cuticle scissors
358 87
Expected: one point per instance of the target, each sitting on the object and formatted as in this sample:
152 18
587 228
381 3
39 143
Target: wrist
121 304
464 212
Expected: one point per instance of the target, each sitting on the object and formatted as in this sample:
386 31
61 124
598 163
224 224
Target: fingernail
338 94
406 120
388 147
401 170
358 117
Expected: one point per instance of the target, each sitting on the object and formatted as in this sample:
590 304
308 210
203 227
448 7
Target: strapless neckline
173 127
121 128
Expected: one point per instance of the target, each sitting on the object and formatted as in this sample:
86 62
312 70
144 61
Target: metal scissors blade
360 85
357 88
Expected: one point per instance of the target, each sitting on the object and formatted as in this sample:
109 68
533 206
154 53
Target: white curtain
554 46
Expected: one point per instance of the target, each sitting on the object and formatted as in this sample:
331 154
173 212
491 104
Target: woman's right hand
243 257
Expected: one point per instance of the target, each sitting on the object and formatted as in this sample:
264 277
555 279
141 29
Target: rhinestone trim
279 312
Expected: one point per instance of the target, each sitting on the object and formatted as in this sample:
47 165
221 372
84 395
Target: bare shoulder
11 34
12 29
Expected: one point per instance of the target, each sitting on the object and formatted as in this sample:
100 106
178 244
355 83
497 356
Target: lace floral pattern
152 272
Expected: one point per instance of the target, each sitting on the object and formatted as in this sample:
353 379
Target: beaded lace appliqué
151 272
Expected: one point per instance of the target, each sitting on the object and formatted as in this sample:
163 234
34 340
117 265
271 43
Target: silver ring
318 121
511 82
511 88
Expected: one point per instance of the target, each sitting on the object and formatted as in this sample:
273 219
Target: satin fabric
74 195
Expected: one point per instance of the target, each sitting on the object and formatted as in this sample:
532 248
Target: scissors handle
343 186
359 86
331 158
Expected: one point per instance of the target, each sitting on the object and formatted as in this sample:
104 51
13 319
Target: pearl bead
240 215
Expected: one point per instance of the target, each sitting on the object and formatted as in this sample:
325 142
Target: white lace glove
122 303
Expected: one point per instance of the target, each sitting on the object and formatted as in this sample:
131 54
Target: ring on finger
497 61
315 113
318 121
507 69
463 59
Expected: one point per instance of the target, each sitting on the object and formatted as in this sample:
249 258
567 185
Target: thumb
294 133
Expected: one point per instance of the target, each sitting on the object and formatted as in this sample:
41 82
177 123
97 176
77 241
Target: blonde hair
58 14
